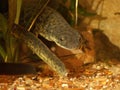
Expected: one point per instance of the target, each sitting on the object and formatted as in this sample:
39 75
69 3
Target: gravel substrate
98 76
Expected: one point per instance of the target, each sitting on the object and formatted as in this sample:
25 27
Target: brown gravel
97 76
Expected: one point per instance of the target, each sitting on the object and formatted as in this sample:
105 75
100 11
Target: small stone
20 88
53 49
65 85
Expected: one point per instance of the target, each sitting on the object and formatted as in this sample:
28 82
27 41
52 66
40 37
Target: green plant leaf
72 6
3 24
2 52
19 4
3 31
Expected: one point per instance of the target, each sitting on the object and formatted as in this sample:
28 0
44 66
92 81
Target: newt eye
62 39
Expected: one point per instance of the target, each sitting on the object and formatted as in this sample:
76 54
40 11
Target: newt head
52 26
68 39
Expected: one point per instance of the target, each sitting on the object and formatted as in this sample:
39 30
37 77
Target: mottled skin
52 26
